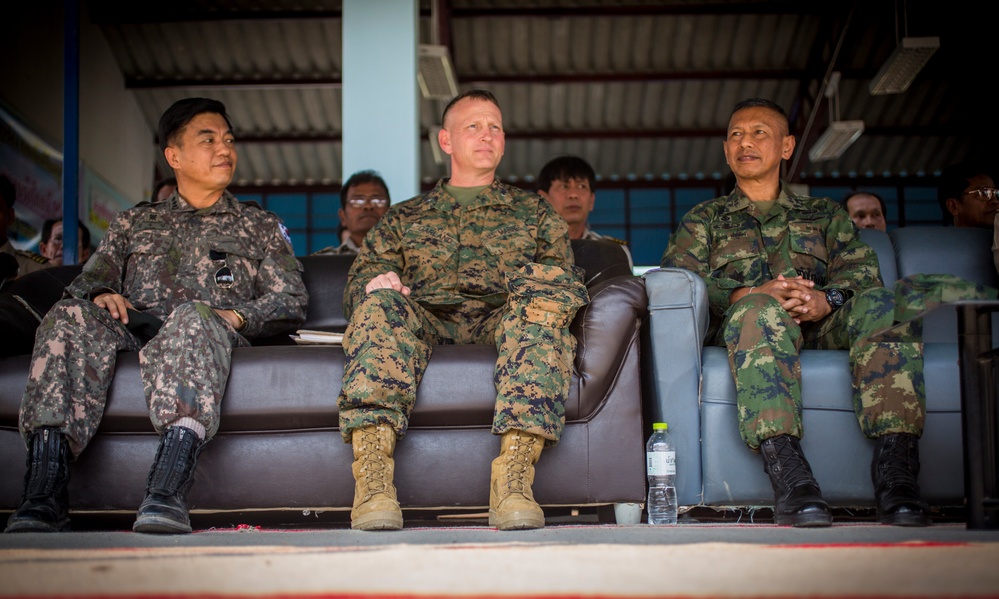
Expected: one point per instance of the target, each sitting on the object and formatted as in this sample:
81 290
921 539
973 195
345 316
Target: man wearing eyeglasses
968 195
182 281
364 198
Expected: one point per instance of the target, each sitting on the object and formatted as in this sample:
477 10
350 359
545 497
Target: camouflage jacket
722 241
157 255
450 255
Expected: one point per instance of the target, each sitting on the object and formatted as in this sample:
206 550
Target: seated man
182 281
968 196
568 182
473 261
364 199
51 244
786 272
867 210
14 262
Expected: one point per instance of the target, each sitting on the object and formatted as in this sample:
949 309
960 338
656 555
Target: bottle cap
659 426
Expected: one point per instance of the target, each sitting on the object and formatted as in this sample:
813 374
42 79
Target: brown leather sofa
279 447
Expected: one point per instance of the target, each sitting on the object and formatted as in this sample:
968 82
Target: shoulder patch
284 231
33 256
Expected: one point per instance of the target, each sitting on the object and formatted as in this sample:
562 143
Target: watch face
834 297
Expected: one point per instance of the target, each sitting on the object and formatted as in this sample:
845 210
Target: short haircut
181 113
359 178
7 191
764 103
50 223
475 94
169 181
565 168
954 179
846 200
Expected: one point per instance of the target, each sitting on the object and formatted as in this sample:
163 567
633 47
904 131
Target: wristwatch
835 298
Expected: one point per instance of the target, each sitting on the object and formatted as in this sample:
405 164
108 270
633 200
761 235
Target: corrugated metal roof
642 89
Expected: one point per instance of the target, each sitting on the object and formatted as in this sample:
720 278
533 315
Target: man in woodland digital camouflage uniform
182 281
473 261
786 272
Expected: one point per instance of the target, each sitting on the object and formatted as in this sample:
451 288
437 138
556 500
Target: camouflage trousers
390 340
880 327
184 368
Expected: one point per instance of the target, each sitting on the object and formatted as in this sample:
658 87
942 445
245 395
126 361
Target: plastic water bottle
660 459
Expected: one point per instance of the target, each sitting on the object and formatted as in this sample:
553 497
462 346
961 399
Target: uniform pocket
428 251
150 254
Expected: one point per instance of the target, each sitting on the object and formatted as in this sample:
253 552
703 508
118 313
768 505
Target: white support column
381 124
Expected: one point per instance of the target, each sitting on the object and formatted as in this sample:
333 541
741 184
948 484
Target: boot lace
374 466
518 462
897 462
789 466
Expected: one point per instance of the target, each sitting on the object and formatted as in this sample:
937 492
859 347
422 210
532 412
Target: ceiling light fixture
839 135
903 65
436 76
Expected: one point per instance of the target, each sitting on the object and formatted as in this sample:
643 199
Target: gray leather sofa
279 448
694 390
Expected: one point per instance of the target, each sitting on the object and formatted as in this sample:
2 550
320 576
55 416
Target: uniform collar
226 203
439 199
737 201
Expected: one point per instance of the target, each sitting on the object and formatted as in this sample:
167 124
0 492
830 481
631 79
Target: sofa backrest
881 244
965 252
325 277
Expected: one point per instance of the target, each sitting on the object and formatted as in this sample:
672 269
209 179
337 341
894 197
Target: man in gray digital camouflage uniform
182 281
785 272
473 261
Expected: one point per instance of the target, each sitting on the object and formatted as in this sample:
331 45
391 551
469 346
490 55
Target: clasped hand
118 306
798 297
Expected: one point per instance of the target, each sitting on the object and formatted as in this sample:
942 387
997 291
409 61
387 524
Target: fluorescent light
903 65
436 77
835 140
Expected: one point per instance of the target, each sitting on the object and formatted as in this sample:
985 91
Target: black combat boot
797 498
45 503
164 508
894 471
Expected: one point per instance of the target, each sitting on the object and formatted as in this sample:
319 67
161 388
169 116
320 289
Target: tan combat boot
511 501
376 505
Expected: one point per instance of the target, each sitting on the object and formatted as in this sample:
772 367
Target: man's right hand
117 305
792 294
389 280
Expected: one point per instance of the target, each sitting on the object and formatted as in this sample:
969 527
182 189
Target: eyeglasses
985 194
223 276
360 202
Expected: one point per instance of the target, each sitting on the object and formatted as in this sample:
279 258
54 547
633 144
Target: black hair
7 191
768 104
169 181
359 178
954 179
846 200
477 94
565 168
181 113
50 223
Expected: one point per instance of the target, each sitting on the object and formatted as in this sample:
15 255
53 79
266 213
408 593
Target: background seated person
867 210
364 199
967 195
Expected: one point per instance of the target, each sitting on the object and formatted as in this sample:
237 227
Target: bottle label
660 463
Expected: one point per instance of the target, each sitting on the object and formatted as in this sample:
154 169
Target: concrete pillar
381 124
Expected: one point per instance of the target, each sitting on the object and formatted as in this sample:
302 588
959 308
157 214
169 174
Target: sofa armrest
671 367
605 330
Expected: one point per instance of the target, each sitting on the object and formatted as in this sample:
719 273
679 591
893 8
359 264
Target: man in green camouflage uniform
786 272
473 261
182 281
